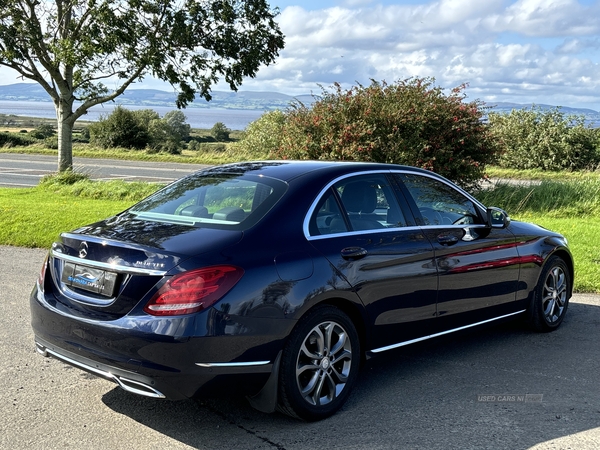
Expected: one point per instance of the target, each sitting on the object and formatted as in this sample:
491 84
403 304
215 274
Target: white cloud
549 18
542 51
537 51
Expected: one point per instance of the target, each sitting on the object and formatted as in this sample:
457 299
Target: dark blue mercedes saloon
281 277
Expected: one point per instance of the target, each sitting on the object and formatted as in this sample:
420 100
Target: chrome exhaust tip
126 384
41 350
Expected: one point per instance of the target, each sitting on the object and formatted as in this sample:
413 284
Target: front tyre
551 296
319 365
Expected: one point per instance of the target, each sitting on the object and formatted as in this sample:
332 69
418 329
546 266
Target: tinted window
439 203
367 201
223 201
328 218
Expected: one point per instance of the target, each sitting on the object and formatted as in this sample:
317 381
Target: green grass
72 184
34 217
570 207
535 174
583 234
560 199
209 153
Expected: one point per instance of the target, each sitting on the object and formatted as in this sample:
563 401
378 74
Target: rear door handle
353 253
447 239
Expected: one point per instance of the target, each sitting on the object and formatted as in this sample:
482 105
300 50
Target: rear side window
358 203
214 201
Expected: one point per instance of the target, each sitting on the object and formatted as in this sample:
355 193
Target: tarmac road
24 170
429 395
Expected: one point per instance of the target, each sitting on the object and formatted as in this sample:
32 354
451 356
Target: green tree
43 131
410 122
546 140
220 132
262 138
167 134
179 128
145 116
90 52
121 128
162 137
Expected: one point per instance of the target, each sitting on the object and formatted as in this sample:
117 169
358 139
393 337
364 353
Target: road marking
19 169
142 177
17 174
2 183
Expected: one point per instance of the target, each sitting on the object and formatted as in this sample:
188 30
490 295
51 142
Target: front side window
215 201
439 203
358 203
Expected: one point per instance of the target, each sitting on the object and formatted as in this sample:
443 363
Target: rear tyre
319 365
551 296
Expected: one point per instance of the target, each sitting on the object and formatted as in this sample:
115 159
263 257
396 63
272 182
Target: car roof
288 170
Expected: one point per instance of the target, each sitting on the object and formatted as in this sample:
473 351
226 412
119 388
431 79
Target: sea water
234 119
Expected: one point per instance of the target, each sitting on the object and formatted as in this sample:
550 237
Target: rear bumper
142 361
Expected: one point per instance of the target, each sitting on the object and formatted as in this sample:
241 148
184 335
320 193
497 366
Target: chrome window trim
391 230
313 206
107 266
234 364
424 338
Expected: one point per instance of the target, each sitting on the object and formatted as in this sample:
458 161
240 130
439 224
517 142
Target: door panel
478 266
478 278
395 278
360 227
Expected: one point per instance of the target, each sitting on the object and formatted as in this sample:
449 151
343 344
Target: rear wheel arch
356 316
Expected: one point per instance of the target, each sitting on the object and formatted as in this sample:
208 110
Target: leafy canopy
220 132
188 43
411 122
141 129
90 51
546 139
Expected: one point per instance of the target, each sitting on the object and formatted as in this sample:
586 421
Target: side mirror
497 218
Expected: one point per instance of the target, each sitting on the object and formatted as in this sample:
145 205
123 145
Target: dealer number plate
89 279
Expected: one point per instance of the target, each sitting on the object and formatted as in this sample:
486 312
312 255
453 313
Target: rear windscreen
215 201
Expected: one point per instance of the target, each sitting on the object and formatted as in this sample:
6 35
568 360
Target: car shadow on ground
501 386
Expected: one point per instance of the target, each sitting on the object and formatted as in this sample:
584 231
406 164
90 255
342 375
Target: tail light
193 291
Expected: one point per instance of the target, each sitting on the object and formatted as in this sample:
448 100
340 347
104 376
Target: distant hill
262 101
507 107
249 100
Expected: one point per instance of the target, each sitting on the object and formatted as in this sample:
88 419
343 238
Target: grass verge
559 199
570 207
535 174
34 217
231 153
583 234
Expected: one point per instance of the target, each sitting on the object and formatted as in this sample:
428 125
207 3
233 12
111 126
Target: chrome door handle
354 253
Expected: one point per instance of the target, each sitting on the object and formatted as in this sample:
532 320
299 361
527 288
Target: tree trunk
64 115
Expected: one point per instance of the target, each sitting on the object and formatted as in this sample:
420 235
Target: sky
524 51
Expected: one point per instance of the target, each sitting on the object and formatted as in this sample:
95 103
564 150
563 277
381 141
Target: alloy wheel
554 294
323 364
